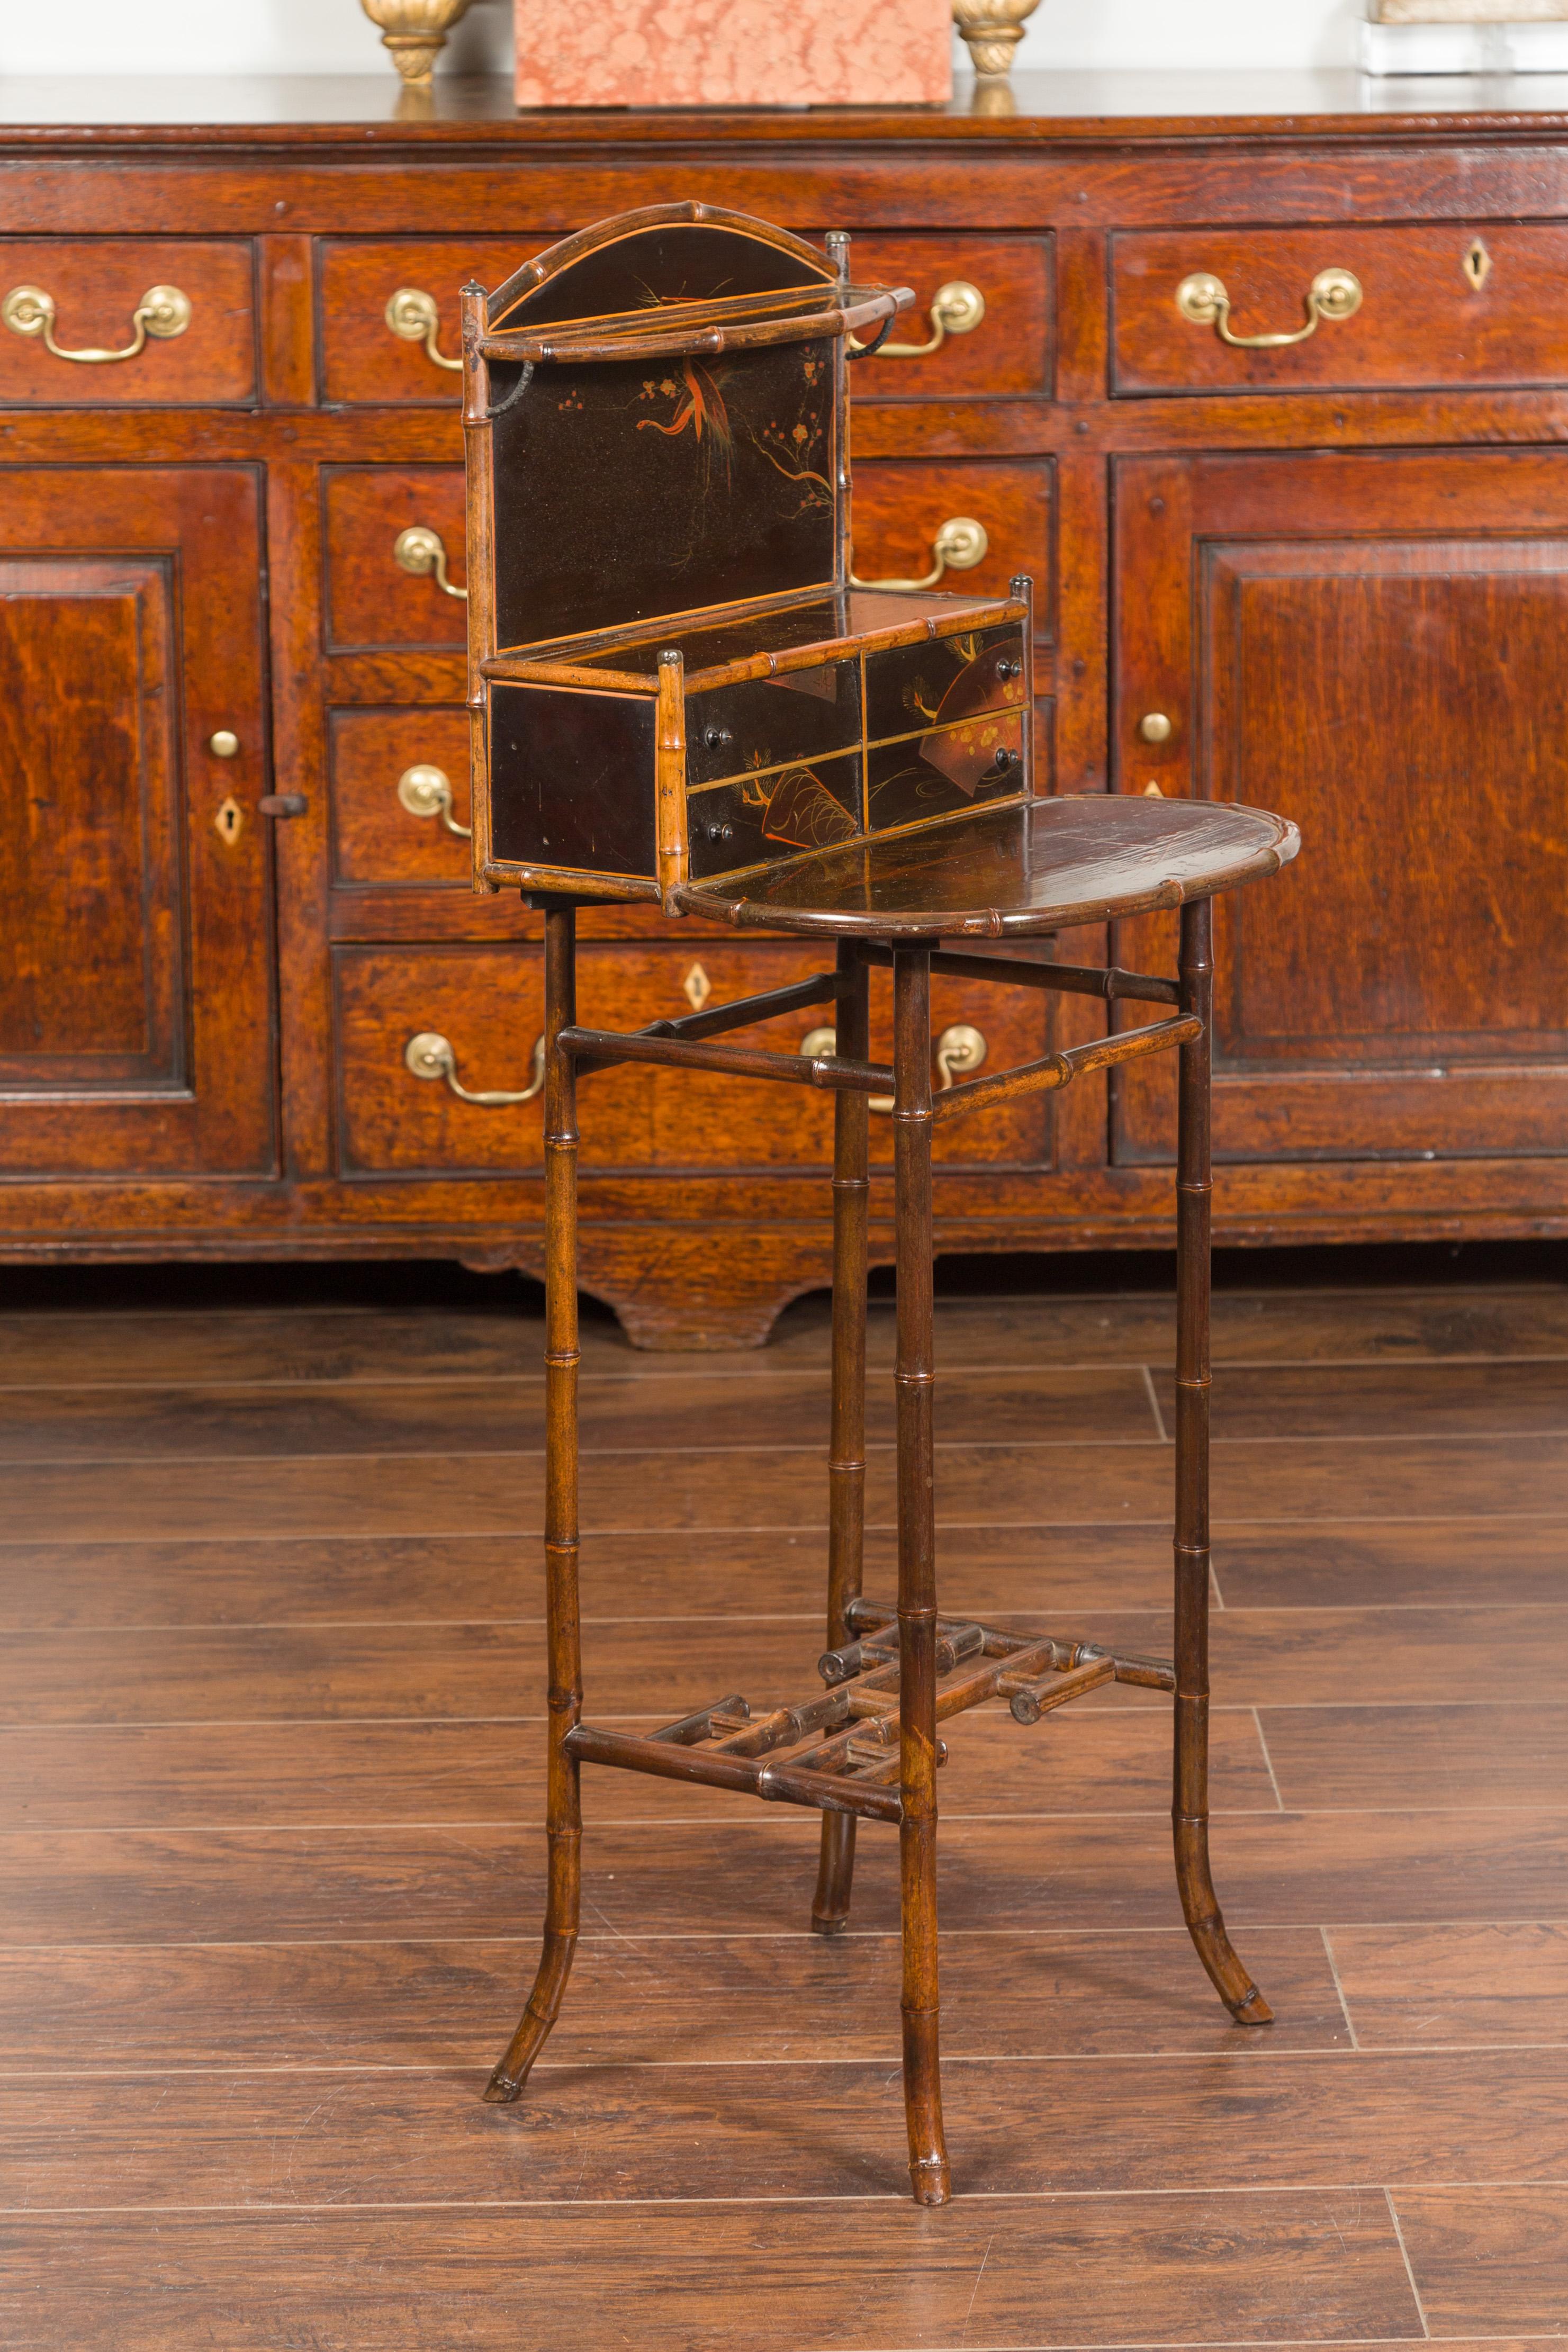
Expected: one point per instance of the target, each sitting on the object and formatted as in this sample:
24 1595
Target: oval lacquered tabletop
1010 873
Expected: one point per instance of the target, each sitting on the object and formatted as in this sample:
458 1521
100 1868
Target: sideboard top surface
1051 110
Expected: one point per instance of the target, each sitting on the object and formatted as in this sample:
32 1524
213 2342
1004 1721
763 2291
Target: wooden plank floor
270 1711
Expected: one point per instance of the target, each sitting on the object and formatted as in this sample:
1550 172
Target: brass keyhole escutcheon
697 988
229 822
1476 265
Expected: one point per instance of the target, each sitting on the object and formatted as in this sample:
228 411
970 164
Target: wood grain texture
1455 1984
272 1875
335 1343
106 1887
698 1408
593 2135
212 1772
97 284
144 1046
1489 2258
354 1495
1144 2271
666 1666
645 2001
1071 216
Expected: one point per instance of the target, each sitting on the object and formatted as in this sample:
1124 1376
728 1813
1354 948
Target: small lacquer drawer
764 722
754 819
945 770
400 798
910 688
117 321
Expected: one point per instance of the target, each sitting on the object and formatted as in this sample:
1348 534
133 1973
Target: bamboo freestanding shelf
678 692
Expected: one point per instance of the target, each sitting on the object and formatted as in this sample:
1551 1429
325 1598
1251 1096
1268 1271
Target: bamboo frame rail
679 1044
839 1750
607 1046
1059 1069
1106 980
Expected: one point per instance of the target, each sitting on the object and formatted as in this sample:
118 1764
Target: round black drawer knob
720 832
1009 669
717 737
1004 759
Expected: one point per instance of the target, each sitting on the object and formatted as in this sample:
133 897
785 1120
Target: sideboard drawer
389 322
87 297
1451 305
375 603
400 798
901 507
1007 353
487 1003
377 347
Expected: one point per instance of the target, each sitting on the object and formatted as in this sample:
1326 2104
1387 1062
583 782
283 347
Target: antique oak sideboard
1272 404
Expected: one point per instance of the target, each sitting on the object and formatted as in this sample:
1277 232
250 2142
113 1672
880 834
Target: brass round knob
224 745
420 551
959 307
1155 728
962 543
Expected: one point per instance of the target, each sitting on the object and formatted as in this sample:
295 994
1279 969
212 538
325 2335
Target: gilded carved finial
991 30
414 31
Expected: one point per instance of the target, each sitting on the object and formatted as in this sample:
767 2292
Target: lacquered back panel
647 267
628 490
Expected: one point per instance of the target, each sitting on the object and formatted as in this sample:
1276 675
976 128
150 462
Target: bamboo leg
562 1806
847 1451
1190 1807
913 1382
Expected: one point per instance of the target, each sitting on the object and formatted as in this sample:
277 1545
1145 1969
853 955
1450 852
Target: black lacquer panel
624 491
682 261
950 769
909 688
767 817
571 779
761 722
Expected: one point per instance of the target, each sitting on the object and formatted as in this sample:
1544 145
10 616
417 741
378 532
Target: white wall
165 37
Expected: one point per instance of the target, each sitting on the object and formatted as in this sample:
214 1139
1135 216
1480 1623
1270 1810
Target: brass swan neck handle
163 312
1202 299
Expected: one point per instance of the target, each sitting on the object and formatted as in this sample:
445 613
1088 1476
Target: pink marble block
735 53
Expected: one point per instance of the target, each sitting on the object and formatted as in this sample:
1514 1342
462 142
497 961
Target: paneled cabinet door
1374 645
135 1015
